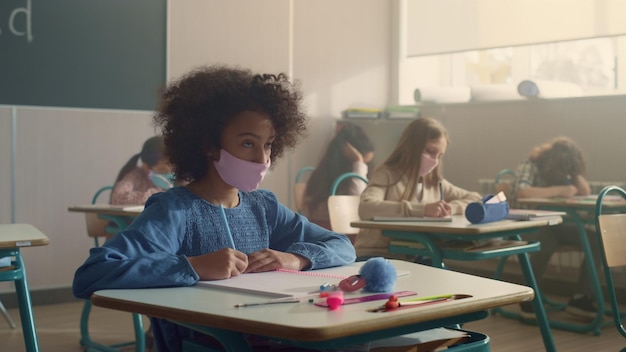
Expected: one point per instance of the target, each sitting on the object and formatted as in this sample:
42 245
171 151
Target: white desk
210 309
107 209
427 234
98 217
13 237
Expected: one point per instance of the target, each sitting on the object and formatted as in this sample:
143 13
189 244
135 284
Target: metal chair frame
299 187
115 225
612 244
343 209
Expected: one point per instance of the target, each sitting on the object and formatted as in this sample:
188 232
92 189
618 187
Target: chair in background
5 264
344 209
100 226
504 182
299 187
611 228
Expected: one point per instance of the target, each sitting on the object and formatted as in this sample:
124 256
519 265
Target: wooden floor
58 330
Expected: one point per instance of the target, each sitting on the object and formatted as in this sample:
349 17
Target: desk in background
427 234
581 212
212 311
107 209
103 221
13 237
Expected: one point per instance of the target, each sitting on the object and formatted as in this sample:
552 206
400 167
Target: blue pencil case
480 212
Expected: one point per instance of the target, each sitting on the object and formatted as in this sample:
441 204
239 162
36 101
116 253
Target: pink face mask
243 175
427 165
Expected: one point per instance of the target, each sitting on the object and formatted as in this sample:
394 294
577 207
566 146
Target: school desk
427 236
119 216
211 310
581 212
107 209
13 237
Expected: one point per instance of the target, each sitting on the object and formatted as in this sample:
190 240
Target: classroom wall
488 137
65 155
5 160
62 157
491 136
339 56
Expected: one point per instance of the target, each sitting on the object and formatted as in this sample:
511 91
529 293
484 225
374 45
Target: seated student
410 183
349 151
136 183
556 169
223 127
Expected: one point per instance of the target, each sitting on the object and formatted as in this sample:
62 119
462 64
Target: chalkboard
82 53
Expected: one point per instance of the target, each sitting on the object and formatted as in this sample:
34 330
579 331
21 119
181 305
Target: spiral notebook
287 283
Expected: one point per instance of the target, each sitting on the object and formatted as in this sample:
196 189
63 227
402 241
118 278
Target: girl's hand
222 264
350 152
269 259
437 210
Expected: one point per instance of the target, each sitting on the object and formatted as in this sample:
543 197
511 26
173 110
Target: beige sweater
385 201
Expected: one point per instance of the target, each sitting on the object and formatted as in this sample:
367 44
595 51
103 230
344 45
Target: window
591 64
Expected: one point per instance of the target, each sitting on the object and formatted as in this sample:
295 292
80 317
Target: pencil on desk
243 305
294 299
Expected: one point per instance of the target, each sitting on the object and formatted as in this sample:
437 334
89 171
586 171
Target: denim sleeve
142 256
293 233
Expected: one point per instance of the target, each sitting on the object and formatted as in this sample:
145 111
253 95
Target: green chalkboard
82 53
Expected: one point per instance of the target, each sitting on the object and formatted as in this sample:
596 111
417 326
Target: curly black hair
194 110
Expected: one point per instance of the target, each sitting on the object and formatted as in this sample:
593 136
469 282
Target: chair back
504 182
344 209
611 229
299 187
96 226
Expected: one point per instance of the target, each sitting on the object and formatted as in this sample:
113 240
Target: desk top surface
21 235
586 202
458 225
123 210
304 321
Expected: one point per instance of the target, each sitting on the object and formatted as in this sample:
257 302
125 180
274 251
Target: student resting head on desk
556 169
223 129
410 183
349 151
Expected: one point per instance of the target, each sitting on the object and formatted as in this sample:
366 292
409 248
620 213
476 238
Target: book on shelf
362 113
402 112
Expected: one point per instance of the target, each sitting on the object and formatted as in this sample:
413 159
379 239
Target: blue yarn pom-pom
379 274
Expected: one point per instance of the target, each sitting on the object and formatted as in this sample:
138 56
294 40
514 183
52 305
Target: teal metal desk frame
119 220
438 254
235 342
15 236
17 274
574 216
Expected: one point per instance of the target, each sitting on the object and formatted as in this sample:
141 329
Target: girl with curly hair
223 128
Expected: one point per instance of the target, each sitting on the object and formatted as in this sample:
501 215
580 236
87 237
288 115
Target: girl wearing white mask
410 183
223 129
